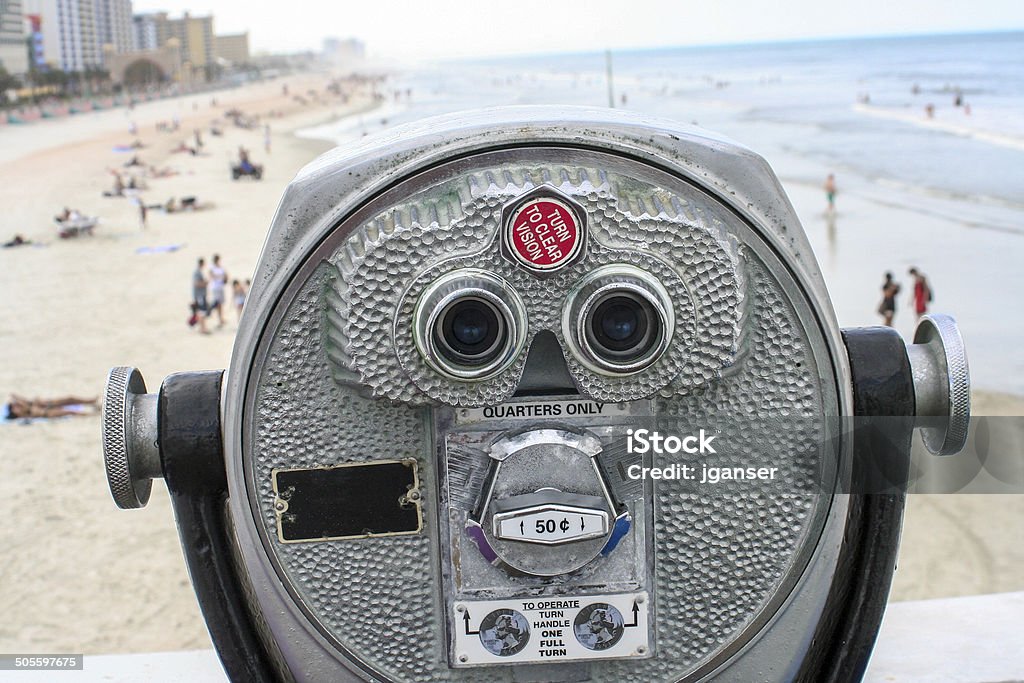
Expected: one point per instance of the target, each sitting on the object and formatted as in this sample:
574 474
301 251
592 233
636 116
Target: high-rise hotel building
13 38
74 32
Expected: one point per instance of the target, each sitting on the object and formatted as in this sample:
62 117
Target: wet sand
80 575
973 270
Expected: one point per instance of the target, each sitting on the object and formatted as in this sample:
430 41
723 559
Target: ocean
945 192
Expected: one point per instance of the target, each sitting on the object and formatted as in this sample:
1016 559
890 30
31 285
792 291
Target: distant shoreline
327 130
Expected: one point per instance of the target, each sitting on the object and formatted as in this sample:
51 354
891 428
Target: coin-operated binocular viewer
541 394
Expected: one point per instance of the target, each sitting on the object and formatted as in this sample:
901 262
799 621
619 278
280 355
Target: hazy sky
455 28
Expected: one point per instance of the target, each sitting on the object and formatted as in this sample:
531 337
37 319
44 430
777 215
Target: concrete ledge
974 639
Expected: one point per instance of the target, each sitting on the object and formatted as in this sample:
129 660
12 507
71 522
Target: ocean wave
971 130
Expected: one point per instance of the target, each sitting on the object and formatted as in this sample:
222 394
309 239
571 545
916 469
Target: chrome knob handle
942 383
129 431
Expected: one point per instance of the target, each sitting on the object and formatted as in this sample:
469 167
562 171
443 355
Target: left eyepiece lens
470 331
470 324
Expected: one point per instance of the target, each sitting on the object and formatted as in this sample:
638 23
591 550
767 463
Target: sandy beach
80 575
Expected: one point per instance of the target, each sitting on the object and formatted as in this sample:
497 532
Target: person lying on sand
17 241
165 172
188 203
182 147
21 407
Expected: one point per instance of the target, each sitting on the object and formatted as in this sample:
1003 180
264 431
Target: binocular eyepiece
470 325
618 320
541 394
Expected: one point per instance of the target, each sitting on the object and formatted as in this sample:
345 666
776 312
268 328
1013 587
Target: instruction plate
551 629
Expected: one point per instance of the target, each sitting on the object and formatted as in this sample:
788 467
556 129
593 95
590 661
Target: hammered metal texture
372 593
387 263
720 560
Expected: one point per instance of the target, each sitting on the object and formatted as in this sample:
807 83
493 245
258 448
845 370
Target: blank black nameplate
358 500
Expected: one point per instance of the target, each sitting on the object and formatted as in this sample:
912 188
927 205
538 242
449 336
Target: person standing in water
830 192
887 309
922 292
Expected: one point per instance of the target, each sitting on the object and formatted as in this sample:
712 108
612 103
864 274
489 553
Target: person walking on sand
142 213
199 306
218 281
238 296
922 292
830 192
887 309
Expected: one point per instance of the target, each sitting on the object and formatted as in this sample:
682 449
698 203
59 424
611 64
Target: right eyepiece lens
621 327
618 320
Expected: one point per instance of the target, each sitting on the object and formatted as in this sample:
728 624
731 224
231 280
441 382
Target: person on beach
69 216
165 172
922 292
887 309
199 308
20 407
266 138
118 190
238 294
18 241
830 192
243 160
142 214
218 280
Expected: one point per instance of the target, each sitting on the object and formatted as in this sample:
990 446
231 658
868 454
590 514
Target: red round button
544 234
